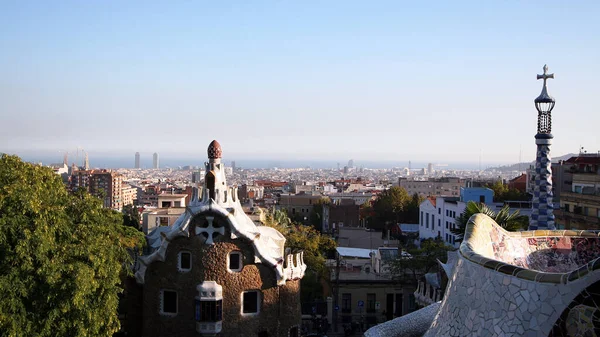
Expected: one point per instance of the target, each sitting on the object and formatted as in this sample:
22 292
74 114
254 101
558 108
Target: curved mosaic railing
537 283
573 254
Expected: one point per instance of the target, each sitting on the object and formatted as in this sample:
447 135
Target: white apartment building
437 217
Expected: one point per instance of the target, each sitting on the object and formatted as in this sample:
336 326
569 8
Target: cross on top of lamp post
545 75
544 97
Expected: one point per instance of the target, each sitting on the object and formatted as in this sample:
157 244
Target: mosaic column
542 216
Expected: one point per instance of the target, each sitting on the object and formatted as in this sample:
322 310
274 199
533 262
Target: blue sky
430 81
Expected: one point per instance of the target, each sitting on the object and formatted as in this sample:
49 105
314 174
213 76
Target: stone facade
279 309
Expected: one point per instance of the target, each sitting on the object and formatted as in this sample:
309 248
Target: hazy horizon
427 82
112 161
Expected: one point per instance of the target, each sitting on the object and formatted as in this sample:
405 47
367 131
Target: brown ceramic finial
214 150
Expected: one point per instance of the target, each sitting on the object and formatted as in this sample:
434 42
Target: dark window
250 302
439 211
567 208
185 261
169 302
235 261
177 203
371 302
398 306
482 198
439 223
346 302
209 311
166 204
294 332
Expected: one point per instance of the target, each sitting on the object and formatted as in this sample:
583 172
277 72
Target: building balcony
580 197
576 221
586 178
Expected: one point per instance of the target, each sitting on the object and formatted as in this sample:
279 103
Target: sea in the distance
122 162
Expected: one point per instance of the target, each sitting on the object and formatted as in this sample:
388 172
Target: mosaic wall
547 254
582 316
536 283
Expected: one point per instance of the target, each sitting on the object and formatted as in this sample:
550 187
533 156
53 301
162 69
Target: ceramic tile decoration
533 283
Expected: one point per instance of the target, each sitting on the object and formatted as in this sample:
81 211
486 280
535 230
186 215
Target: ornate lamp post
542 216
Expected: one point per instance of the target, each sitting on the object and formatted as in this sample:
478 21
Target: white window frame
161 303
241 265
183 270
258 304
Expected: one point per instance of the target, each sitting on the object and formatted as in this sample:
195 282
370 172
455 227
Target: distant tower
430 168
155 162
233 165
137 160
351 163
86 163
542 216
66 159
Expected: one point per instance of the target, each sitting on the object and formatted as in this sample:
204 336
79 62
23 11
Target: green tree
316 215
504 218
393 206
315 246
420 261
503 193
61 256
131 217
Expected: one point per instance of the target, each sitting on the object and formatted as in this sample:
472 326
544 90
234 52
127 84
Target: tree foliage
393 206
421 261
316 215
503 193
131 216
315 246
504 218
61 256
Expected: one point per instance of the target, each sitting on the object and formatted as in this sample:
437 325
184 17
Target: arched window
209 183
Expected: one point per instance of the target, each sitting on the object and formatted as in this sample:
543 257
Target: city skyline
291 81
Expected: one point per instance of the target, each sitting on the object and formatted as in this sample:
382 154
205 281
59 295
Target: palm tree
275 217
504 218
